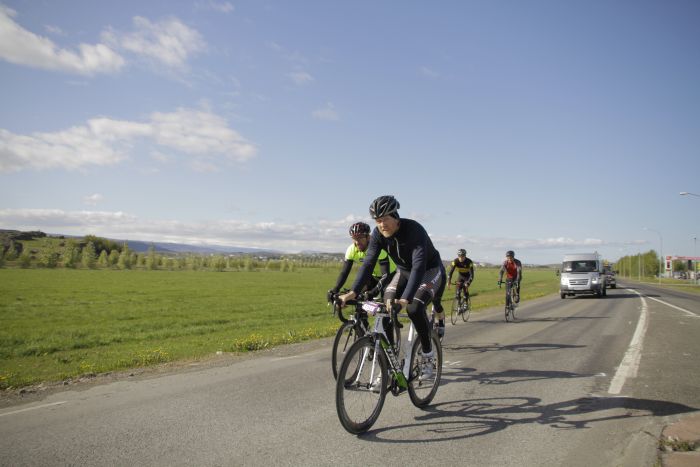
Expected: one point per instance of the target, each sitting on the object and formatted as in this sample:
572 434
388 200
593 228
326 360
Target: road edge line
630 362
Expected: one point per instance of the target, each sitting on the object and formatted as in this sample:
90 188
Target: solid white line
32 408
676 307
630 362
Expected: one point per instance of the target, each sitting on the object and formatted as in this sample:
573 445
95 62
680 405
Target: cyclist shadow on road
464 419
495 346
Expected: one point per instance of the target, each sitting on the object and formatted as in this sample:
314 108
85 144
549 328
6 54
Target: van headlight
595 280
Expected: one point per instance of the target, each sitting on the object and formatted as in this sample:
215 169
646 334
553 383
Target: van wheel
562 295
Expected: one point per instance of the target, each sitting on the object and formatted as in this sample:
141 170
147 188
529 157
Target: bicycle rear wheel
456 305
423 391
359 396
466 309
347 334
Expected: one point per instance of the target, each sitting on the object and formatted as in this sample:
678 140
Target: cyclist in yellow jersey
383 271
465 270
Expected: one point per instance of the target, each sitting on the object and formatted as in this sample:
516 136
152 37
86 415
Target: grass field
57 324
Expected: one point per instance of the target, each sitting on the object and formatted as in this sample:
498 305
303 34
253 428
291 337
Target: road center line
630 362
690 313
32 408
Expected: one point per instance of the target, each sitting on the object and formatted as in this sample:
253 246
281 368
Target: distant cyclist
383 271
465 270
420 277
514 272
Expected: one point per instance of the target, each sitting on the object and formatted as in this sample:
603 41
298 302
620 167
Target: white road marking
32 408
689 313
630 362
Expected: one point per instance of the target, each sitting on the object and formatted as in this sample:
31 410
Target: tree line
98 253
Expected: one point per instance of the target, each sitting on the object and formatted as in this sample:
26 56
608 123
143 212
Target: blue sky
546 127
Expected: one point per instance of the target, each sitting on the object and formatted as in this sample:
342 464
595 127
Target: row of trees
646 265
97 253
641 265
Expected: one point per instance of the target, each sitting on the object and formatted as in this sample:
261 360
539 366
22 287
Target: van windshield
579 266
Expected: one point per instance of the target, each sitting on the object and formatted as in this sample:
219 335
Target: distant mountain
164 247
140 246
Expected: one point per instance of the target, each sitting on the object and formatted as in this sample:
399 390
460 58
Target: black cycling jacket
410 248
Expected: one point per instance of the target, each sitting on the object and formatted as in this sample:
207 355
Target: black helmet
510 253
384 206
461 252
359 229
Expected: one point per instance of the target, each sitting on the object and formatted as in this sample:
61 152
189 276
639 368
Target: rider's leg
417 314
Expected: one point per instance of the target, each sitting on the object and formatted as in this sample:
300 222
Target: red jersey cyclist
514 272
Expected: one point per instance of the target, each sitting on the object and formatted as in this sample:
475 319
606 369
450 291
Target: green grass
676 284
57 324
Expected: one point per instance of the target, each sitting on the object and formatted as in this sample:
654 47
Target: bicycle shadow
471 375
495 347
463 419
561 319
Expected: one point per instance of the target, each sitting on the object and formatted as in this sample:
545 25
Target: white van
582 274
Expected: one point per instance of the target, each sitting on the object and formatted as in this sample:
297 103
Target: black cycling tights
417 314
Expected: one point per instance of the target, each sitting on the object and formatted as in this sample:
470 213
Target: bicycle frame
381 344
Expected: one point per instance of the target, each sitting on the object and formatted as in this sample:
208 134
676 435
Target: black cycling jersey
464 268
410 248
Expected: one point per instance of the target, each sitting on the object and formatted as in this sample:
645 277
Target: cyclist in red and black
513 269
465 270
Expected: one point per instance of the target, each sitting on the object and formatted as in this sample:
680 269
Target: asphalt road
575 382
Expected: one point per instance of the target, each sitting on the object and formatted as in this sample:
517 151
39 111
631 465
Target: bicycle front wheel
347 334
466 309
361 386
422 389
456 305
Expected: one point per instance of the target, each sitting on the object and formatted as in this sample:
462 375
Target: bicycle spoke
361 387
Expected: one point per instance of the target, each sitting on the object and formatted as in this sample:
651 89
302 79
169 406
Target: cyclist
382 273
420 276
513 270
465 268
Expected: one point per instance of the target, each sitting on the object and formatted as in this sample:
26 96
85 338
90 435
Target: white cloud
425 71
105 141
168 42
55 30
93 200
324 236
23 47
326 113
221 7
300 77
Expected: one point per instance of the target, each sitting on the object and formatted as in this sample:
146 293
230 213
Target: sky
546 127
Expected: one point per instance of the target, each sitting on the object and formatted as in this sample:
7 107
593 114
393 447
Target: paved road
562 386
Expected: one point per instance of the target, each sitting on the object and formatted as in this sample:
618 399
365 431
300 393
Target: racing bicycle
511 305
350 330
461 305
374 366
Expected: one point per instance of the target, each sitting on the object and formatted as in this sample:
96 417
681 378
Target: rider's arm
343 276
449 274
500 273
418 259
385 269
370 260
471 272
519 271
